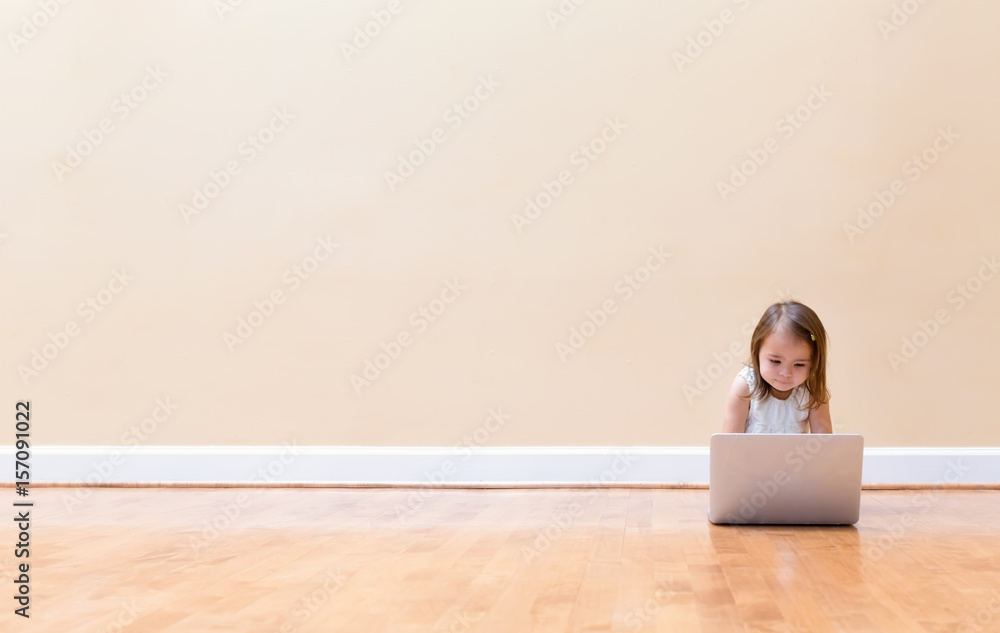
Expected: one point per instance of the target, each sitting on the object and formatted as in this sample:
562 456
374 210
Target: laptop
787 478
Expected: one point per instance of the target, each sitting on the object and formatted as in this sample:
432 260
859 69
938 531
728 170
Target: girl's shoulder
747 374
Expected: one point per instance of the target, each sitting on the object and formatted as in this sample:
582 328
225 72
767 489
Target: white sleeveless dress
777 416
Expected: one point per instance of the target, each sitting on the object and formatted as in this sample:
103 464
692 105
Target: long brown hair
798 320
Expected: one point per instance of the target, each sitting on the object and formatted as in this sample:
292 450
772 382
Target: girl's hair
800 321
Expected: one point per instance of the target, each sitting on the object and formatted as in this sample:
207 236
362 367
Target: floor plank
478 561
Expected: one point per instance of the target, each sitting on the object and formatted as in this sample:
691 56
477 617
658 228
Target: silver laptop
795 478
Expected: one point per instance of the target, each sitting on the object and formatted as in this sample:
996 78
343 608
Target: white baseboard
499 466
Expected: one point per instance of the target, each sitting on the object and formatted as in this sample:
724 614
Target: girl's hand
734 420
819 420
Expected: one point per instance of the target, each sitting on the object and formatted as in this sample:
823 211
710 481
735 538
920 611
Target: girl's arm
819 419
734 420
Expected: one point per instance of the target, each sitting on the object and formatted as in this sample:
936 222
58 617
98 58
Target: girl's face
784 361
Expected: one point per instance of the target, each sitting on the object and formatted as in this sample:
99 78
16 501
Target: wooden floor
510 561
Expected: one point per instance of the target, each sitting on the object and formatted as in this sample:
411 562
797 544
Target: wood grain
456 561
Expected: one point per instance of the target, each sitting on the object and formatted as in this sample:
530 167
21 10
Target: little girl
783 390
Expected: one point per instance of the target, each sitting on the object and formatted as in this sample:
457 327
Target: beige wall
65 232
